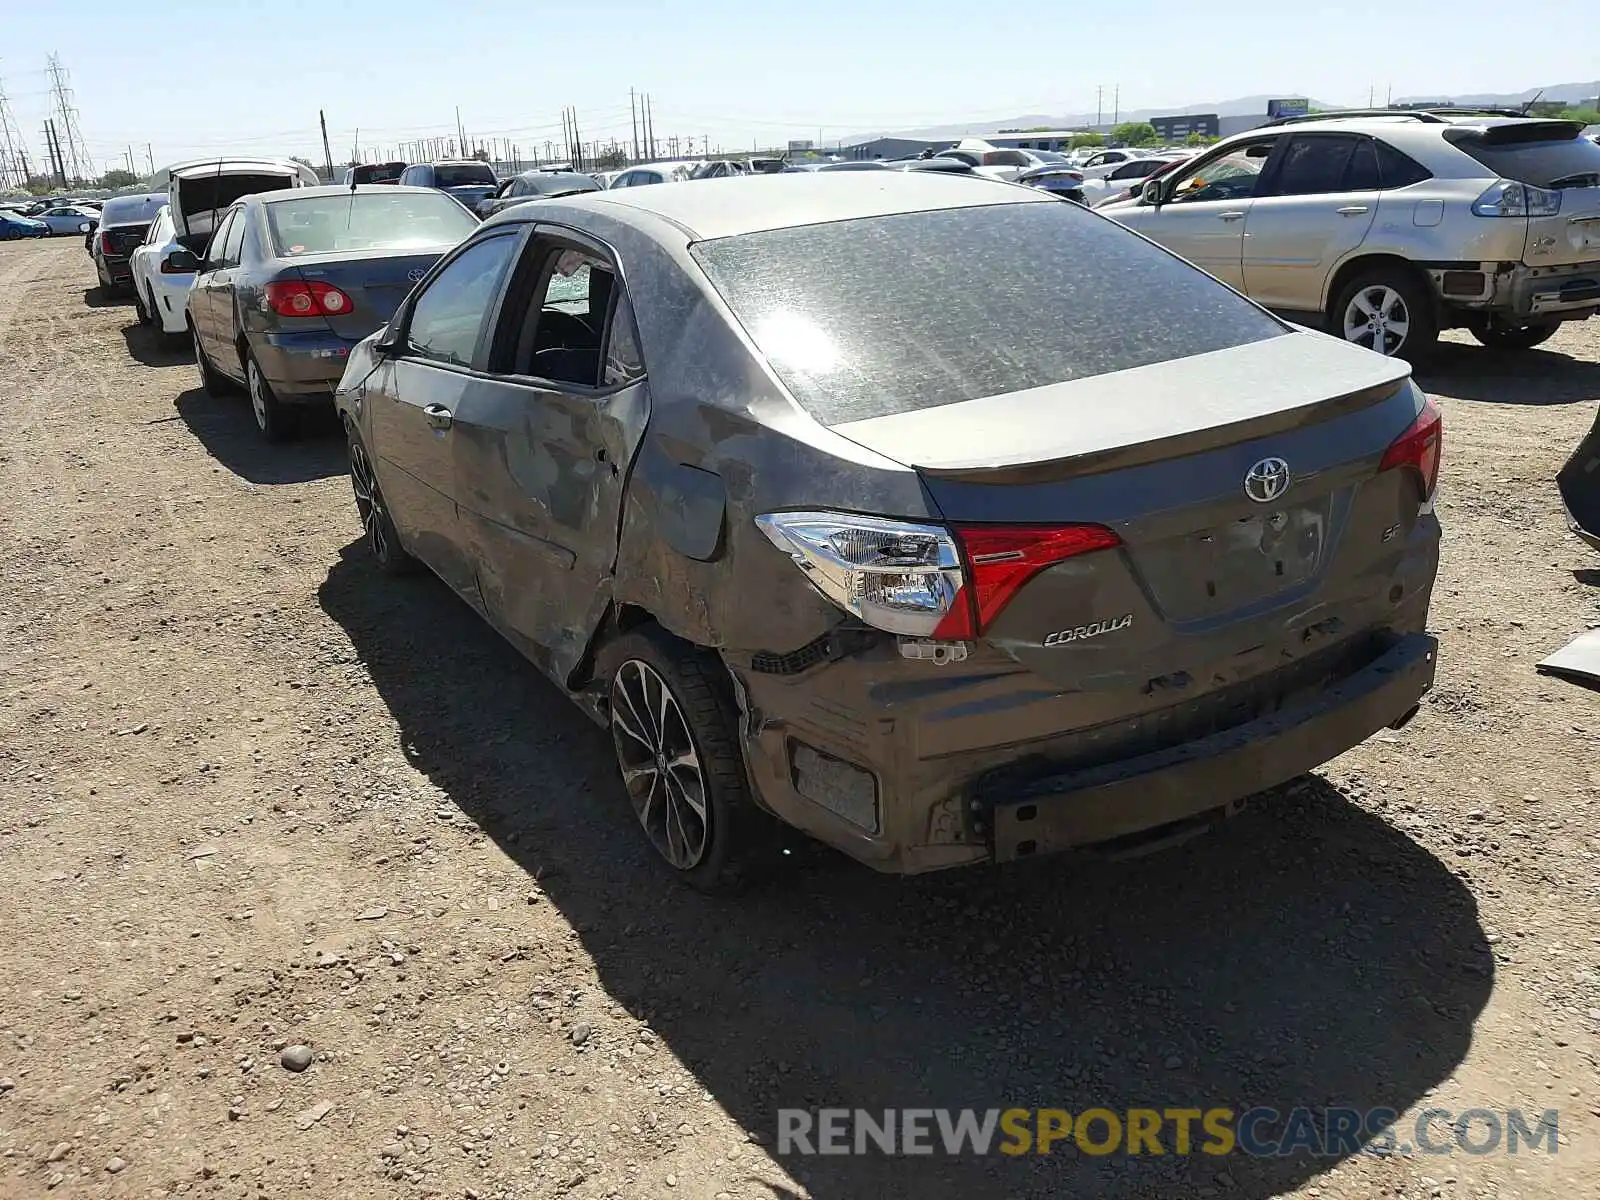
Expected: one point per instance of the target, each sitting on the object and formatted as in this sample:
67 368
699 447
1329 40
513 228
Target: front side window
1230 176
881 315
447 318
219 238
561 331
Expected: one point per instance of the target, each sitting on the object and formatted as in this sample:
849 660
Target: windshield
884 315
366 221
464 175
129 210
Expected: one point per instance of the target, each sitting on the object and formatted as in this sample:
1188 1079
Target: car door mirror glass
1150 192
84 227
179 261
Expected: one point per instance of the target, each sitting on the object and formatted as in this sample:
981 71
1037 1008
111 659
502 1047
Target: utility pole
1116 105
150 157
327 151
650 124
577 139
633 111
66 117
461 132
1099 105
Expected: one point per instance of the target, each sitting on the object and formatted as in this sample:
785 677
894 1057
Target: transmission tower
13 158
74 154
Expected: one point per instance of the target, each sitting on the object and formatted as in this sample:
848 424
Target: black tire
144 314
213 380
277 421
10 235
383 540
1513 337
737 843
1395 295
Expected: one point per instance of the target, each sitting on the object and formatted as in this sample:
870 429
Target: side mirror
1150 192
84 227
179 262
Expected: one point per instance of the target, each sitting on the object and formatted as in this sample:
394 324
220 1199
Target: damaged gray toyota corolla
938 519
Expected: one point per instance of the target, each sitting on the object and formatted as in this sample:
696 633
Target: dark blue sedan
15 225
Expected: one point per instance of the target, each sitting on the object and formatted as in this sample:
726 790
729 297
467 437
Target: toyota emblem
1266 480
416 273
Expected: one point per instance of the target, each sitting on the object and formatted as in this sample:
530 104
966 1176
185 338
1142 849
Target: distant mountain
1564 93
1240 107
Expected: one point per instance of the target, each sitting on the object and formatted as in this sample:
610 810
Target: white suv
1388 227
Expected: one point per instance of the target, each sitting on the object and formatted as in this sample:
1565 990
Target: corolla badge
416 273
1062 637
1266 480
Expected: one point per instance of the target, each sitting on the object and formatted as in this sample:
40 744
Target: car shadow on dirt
1307 954
98 297
147 347
225 427
1540 376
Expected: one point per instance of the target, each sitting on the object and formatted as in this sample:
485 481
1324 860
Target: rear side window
884 315
1314 165
1397 169
1530 154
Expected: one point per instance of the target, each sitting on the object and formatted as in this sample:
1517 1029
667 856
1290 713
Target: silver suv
1386 227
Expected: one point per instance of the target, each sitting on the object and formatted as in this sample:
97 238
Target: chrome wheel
660 765
1377 318
369 503
258 395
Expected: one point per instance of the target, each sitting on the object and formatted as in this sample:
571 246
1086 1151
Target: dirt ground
253 794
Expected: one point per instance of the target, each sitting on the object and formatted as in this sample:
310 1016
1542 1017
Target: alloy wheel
369 502
660 764
258 395
1377 318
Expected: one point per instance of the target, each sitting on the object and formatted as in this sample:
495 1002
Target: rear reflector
1418 448
313 299
1002 558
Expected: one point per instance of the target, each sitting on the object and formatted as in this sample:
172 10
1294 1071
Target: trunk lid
199 194
1220 557
1572 235
1551 155
376 283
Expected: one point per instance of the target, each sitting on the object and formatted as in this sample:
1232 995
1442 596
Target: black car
292 279
536 185
944 521
124 222
468 180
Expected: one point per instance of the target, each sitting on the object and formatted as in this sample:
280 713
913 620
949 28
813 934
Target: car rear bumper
1517 293
1077 808
303 366
118 269
909 767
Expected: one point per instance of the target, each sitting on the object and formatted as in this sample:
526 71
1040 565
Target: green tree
1586 116
118 178
1136 133
1081 140
1200 139
611 160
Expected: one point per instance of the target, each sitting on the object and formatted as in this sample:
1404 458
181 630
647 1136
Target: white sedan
161 282
67 219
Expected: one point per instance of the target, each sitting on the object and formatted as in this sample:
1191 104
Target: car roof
340 189
759 203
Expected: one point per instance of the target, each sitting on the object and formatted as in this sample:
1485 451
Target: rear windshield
366 221
885 315
466 174
563 183
127 210
375 172
1543 161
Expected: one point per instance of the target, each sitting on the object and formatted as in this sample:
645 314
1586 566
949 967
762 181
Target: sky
185 78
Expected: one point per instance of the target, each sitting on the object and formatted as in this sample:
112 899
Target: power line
14 164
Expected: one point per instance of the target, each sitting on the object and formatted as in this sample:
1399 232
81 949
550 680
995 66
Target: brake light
1002 558
310 299
1508 198
1418 447
106 246
922 580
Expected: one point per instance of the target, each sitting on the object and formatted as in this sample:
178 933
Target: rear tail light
312 299
106 244
1507 198
922 580
1418 448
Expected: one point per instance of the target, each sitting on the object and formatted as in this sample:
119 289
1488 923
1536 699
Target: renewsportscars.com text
1258 1132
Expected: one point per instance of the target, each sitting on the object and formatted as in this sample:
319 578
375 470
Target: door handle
439 417
1230 216
1351 210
